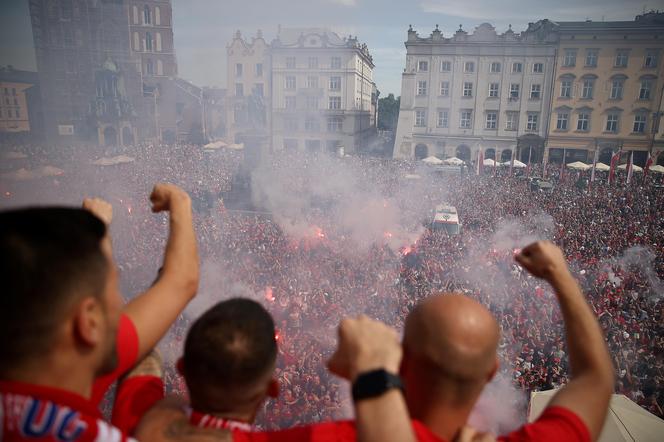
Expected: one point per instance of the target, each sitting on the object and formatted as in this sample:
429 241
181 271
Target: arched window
148 41
135 11
157 16
147 15
158 41
149 67
160 67
137 42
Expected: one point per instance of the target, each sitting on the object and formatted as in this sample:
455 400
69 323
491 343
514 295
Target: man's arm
154 311
589 391
366 345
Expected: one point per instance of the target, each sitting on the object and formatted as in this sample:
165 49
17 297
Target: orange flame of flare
268 294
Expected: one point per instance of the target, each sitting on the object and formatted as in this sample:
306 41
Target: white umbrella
490 162
432 160
50 171
454 161
602 167
657 169
578 165
235 146
626 421
518 164
635 168
215 145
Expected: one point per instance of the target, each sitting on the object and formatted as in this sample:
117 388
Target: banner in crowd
614 163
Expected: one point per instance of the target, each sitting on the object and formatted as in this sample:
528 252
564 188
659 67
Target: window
469 66
335 83
420 118
465 121
290 124
443 120
158 40
259 69
538 68
561 122
290 62
512 121
467 89
157 16
644 90
491 120
493 90
238 70
587 91
517 67
239 90
531 125
334 124
444 88
290 82
622 58
535 91
616 89
335 63
312 103
421 88
149 66
290 103
591 58
566 88
445 66
147 16
313 63
514 90
612 123
651 59
639 123
148 41
135 11
137 44
422 66
312 82
570 58
335 103
258 89
17 113
495 67
312 125
583 123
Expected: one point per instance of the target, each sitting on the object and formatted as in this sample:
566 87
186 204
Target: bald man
450 354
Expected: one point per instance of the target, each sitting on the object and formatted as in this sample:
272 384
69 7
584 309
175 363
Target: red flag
630 167
480 161
512 161
614 163
562 166
592 174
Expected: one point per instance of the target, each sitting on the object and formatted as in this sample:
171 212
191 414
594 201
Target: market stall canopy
635 168
626 421
14 155
235 146
454 161
432 160
490 162
23 174
657 169
518 164
215 145
578 165
602 167
120 159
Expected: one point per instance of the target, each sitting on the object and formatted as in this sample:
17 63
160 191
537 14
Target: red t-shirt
127 349
133 398
42 414
555 424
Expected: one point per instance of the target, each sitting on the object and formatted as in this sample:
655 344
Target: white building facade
476 91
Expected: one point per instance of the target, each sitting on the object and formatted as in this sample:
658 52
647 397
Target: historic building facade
476 91
609 80
20 113
309 89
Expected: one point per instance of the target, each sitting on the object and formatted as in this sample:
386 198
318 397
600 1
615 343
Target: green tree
388 112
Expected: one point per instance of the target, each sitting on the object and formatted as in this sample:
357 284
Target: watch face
374 383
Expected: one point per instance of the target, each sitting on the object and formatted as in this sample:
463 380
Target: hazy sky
203 27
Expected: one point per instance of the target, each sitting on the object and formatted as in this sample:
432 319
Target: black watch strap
375 383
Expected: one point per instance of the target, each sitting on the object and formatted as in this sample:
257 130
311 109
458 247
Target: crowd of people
613 236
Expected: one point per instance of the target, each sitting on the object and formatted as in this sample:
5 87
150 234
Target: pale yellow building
607 89
14 107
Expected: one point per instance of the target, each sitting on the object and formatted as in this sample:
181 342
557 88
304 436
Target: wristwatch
375 383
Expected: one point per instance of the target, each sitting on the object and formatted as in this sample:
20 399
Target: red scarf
202 420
